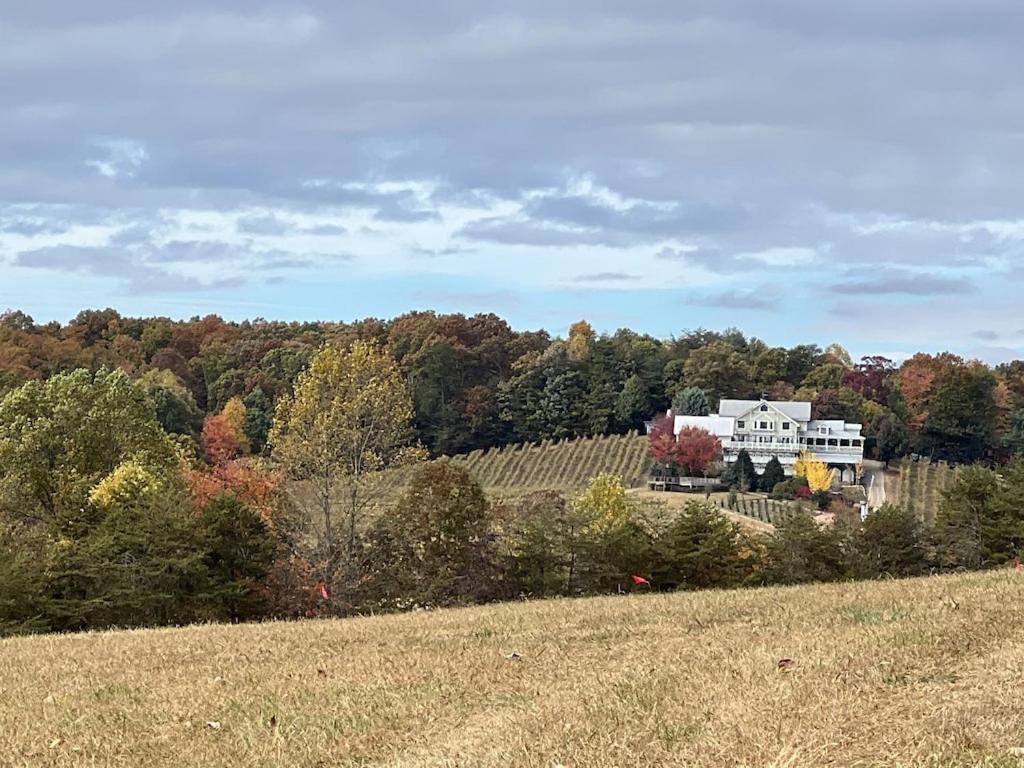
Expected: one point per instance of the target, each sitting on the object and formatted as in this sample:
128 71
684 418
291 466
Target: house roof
796 410
718 426
836 428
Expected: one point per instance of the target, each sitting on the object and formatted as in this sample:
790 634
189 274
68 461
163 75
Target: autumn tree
696 450
348 418
436 540
818 475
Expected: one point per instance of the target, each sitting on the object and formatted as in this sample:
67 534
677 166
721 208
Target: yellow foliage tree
602 505
349 417
130 482
819 476
234 413
581 337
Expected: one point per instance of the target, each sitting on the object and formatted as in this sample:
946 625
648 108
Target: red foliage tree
696 450
220 440
693 451
869 376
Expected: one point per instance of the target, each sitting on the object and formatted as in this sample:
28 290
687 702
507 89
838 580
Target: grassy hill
921 672
564 465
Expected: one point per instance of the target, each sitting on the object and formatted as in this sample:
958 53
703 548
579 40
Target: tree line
107 518
476 383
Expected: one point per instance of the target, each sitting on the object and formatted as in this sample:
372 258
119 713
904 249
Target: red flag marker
640 580
323 590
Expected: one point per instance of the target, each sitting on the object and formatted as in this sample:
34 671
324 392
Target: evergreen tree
691 401
699 549
890 542
773 475
741 473
239 551
632 405
802 551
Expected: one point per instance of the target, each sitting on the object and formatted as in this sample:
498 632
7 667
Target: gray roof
796 410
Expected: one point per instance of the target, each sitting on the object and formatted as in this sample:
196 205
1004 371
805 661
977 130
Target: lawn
920 672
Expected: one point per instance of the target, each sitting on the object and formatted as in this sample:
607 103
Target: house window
785 425
844 443
764 425
764 407
856 443
741 424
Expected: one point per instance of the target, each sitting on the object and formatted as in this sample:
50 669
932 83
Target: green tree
536 544
61 437
741 473
239 552
890 436
259 419
773 475
133 558
719 370
960 422
175 408
802 551
890 542
690 401
700 549
633 404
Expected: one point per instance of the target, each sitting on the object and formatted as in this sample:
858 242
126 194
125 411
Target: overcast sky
847 171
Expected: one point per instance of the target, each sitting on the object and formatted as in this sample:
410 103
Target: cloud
896 281
606 277
138 276
760 300
542 138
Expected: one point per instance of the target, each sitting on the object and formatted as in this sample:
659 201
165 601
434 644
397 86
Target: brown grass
921 672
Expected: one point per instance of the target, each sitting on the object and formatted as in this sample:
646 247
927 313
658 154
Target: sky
846 171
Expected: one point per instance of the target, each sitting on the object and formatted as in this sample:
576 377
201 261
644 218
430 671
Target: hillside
922 672
564 465
918 485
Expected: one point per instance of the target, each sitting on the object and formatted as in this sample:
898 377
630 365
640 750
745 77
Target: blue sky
805 171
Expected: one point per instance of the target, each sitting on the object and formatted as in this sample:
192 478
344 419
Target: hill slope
882 673
562 465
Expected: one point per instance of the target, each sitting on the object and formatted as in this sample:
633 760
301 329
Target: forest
158 472
477 383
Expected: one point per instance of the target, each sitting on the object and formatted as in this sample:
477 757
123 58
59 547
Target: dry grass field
914 673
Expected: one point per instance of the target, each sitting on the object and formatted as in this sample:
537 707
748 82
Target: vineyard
561 465
918 485
766 510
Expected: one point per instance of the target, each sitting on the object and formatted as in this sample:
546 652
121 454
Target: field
918 485
563 465
924 672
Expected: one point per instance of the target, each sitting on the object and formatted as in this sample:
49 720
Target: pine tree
741 473
691 401
773 474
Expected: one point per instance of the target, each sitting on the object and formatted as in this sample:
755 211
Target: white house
767 428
